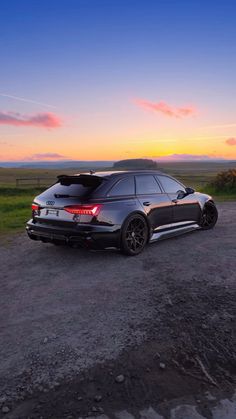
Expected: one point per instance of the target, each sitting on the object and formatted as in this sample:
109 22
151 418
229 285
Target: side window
146 184
170 185
123 187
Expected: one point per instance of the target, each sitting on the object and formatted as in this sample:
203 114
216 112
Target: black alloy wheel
209 216
134 235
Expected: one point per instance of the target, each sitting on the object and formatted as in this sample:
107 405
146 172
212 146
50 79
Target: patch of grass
219 195
7 191
15 207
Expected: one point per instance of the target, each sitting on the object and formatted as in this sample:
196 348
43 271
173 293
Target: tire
209 216
134 235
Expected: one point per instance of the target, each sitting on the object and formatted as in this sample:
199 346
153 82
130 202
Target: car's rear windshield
77 186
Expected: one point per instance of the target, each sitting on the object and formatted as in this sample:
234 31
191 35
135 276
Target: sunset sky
114 79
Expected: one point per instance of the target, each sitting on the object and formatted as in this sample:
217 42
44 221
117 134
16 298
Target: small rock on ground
98 398
185 412
123 414
5 409
150 413
224 409
120 378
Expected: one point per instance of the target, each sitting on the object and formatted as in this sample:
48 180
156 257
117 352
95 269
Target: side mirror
189 191
181 194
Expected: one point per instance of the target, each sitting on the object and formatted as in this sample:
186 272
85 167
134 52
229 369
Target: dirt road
71 321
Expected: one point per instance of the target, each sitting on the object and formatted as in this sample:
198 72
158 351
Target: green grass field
15 202
15 207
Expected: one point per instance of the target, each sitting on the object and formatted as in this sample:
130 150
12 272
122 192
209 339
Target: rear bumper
91 236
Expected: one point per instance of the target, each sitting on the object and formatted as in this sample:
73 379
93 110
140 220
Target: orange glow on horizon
52 146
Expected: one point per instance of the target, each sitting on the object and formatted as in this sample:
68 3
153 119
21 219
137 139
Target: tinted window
123 187
75 186
72 190
146 184
170 185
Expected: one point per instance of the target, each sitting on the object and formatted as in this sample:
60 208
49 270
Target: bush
225 181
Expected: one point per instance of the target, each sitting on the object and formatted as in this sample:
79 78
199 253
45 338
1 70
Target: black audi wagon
118 209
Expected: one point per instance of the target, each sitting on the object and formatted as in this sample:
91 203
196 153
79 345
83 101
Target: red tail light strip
84 209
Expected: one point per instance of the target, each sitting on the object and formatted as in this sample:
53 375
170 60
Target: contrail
27 100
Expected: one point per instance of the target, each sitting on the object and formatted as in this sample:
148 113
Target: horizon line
168 158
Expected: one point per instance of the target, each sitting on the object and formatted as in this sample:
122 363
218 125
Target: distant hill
128 164
85 165
133 164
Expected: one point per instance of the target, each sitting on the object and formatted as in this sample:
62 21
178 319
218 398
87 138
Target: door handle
146 203
175 201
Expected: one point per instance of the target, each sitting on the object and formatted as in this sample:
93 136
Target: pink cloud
164 108
187 157
46 156
44 120
231 141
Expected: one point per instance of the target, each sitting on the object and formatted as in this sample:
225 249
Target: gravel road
72 316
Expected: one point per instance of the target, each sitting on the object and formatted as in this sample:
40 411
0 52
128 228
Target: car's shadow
67 252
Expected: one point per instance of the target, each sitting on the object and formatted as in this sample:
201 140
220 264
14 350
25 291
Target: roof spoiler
82 179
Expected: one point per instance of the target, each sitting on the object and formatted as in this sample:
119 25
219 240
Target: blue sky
90 60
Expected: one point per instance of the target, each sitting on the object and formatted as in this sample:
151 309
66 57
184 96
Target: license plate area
54 212
57 214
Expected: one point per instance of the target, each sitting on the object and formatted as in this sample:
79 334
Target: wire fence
36 181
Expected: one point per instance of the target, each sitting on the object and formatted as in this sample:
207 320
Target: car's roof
114 173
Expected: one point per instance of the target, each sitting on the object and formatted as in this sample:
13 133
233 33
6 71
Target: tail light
35 207
93 209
